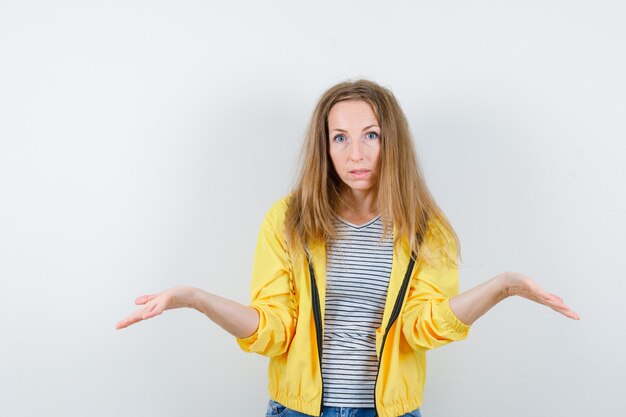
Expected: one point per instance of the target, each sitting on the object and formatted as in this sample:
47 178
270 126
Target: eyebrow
365 128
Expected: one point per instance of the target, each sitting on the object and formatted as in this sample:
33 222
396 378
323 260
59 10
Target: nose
356 154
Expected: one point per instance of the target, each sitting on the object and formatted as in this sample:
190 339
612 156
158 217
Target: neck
360 203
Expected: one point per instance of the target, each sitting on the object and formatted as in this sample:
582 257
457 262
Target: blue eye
340 138
372 135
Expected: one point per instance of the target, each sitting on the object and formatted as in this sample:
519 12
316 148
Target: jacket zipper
394 315
317 316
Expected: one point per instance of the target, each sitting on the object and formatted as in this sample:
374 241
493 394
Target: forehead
351 114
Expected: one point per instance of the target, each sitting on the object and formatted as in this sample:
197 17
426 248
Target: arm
272 289
472 304
235 318
428 321
267 326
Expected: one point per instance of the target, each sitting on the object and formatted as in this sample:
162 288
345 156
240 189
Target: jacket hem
310 408
400 407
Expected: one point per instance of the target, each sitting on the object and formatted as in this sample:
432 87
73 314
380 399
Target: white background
142 142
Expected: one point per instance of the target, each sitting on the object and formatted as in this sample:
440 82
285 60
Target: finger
556 297
127 322
571 314
558 306
540 297
157 310
549 301
552 298
137 316
566 311
150 311
535 293
145 298
557 302
531 288
152 314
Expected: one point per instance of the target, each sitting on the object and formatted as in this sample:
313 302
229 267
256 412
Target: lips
359 174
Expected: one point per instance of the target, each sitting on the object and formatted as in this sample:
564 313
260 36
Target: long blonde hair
401 192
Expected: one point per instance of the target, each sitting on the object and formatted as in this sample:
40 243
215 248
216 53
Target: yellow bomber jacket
289 294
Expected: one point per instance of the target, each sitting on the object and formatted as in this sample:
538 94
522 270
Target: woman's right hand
155 304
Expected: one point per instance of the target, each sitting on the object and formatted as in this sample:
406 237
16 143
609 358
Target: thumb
145 298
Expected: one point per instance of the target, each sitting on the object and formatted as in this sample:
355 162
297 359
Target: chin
361 187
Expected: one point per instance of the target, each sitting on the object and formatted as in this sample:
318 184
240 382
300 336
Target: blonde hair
401 192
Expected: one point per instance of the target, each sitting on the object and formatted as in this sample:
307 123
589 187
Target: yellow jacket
290 298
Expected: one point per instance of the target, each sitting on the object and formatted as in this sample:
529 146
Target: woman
355 274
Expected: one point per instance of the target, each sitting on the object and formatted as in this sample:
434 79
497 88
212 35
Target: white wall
141 143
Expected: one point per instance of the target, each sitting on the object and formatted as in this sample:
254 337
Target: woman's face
354 147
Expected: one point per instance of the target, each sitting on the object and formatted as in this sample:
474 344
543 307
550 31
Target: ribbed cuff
459 328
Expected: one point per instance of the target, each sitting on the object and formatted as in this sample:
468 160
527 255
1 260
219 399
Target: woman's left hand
522 285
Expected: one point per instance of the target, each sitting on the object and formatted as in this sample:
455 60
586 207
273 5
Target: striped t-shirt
358 270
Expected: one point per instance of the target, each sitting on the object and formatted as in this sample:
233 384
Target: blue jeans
276 409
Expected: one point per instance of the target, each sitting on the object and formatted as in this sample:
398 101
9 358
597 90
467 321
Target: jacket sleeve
427 319
271 291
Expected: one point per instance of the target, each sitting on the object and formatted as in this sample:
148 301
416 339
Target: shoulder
439 241
276 214
279 207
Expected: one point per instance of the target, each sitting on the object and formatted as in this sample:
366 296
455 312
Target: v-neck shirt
357 274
